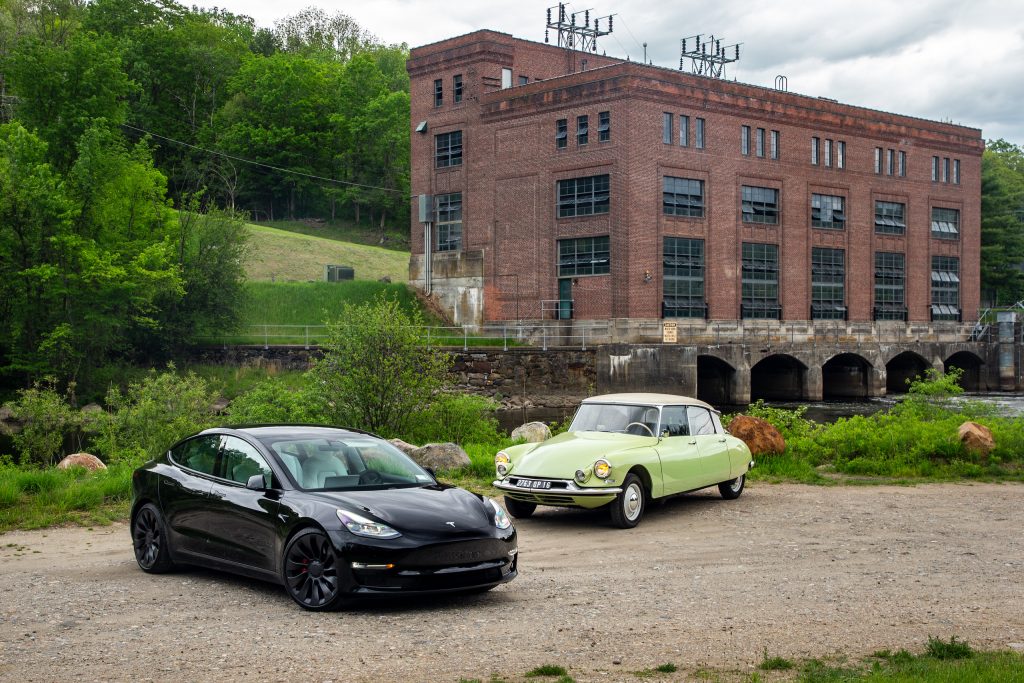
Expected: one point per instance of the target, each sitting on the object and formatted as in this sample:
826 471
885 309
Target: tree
377 371
312 33
1002 222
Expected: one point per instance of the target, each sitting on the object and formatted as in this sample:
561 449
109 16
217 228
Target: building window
935 169
840 154
890 218
956 171
827 212
945 170
604 126
583 256
583 196
945 288
745 140
760 288
683 278
682 197
561 133
878 160
828 153
890 161
760 205
903 165
448 209
759 142
774 144
506 78
890 282
945 223
582 130
438 92
828 290
684 131
815 150
698 134
524 80
448 149
457 88
666 128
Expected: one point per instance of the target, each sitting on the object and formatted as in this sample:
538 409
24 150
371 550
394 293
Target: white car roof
649 399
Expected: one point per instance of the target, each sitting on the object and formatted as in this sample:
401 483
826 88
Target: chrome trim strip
569 491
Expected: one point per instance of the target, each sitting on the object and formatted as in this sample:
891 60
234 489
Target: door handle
722 440
692 443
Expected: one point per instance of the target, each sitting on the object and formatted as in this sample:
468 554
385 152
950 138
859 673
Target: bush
459 418
49 421
271 401
153 414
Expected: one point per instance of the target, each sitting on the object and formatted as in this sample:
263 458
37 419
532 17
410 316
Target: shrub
271 401
49 422
459 418
953 649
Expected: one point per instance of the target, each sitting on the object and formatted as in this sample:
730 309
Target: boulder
532 432
220 406
976 438
86 460
761 437
441 456
406 448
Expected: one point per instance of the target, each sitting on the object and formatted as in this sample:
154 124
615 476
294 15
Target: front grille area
542 498
437 578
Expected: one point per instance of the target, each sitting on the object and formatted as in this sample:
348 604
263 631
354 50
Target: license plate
534 484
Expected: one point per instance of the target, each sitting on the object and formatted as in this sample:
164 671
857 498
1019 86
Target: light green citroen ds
623 450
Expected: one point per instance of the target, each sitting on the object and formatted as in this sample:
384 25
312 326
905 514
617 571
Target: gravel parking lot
798 571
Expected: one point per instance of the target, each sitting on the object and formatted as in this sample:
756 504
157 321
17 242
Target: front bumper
559 492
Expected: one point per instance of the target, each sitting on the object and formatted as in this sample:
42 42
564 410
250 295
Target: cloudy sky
946 60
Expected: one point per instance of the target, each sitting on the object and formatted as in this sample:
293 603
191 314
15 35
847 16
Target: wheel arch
645 478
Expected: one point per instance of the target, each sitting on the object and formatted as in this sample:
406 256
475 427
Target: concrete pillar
814 391
876 381
1007 353
741 384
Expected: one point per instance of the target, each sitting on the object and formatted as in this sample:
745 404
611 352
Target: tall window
827 211
903 164
945 170
583 256
945 288
448 149
745 140
945 223
890 286
828 153
457 88
448 208
840 154
815 151
698 134
828 277
683 278
438 92
682 197
774 144
684 131
604 126
583 196
878 160
561 133
890 218
956 171
760 205
890 161
506 78
760 288
759 142
666 128
935 169
582 130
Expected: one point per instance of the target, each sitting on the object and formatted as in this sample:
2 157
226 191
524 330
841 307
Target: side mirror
256 483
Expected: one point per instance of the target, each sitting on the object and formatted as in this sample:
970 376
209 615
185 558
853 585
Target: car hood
561 456
427 510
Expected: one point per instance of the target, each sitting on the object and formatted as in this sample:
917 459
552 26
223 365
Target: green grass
546 670
344 231
281 255
34 499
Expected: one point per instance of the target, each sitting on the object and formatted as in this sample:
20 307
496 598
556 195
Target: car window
356 462
240 460
700 420
673 421
199 454
719 429
609 417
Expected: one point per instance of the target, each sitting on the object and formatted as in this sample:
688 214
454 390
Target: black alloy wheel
150 541
311 571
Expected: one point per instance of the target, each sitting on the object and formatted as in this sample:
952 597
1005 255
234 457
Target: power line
259 163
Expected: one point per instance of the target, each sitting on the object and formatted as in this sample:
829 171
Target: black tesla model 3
332 514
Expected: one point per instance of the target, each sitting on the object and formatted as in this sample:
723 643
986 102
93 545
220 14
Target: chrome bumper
571 489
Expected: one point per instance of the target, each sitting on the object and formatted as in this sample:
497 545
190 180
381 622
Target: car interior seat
318 467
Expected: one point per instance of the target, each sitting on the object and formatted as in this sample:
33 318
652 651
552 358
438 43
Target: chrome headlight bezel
602 469
501 519
366 527
502 463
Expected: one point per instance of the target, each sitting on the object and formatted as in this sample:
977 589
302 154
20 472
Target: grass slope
282 255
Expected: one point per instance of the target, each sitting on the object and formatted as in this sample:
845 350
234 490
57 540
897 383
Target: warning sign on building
669 332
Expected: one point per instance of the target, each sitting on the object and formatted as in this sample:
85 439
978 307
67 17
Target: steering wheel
370 478
639 424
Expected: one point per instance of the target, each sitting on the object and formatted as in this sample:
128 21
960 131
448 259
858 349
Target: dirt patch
796 571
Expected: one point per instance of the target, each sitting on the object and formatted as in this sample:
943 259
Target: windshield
608 417
357 462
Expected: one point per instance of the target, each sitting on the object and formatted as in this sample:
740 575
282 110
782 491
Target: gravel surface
798 571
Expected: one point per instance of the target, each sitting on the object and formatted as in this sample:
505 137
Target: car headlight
362 526
502 463
602 469
581 476
501 519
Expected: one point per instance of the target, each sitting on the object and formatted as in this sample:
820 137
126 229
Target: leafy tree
313 33
377 372
1002 222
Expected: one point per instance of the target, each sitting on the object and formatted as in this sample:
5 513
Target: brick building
571 185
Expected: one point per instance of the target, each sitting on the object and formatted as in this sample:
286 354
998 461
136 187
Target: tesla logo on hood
451 524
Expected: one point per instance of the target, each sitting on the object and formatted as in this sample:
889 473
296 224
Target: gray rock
406 448
86 460
441 456
219 406
532 432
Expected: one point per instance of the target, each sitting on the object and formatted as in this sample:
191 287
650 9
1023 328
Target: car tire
628 507
732 489
519 509
311 569
149 538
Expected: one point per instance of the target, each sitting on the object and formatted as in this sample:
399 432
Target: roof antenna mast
575 32
708 56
